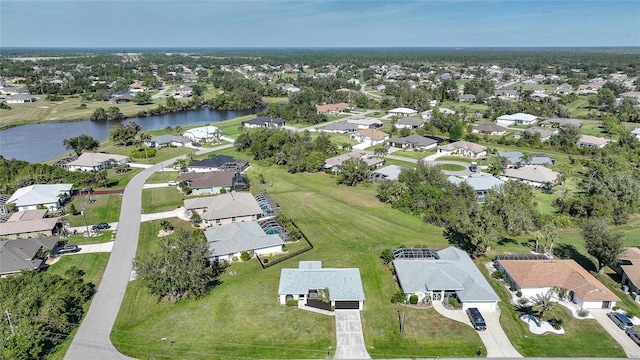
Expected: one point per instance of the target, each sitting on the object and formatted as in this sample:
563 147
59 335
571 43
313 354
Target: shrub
519 293
615 308
556 323
398 297
265 261
497 275
223 191
292 303
583 313
235 258
139 153
413 299
284 248
245 256
73 211
454 302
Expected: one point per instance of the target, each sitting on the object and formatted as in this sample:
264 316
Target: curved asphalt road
92 340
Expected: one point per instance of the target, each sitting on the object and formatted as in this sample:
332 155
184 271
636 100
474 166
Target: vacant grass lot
161 199
93 265
80 239
163 177
106 208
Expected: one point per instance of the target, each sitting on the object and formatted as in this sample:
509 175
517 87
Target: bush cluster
245 256
413 299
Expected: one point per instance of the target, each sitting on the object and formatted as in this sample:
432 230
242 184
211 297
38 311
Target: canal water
40 142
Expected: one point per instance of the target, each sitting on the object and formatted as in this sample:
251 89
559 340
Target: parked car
621 320
68 249
172 183
101 226
477 321
86 190
634 335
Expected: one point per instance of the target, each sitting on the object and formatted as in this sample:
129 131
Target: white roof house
481 184
231 240
225 208
516 119
304 283
390 172
203 134
401 111
95 161
636 132
442 273
463 148
535 175
32 196
365 123
588 141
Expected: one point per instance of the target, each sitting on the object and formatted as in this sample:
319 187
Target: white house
463 148
33 196
231 240
95 161
224 208
312 285
534 175
401 111
411 122
588 141
203 134
21 99
516 119
370 137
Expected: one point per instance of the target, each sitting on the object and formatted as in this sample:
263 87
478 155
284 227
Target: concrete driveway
94 248
630 348
350 341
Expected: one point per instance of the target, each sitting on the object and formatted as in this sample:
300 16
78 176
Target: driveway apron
630 348
350 341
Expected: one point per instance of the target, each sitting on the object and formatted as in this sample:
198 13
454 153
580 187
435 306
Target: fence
288 256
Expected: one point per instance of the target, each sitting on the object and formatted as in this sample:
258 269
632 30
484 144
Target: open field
161 199
106 208
80 239
93 265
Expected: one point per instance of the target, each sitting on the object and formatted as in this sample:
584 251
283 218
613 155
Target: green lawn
413 154
80 239
457 158
106 208
162 154
93 265
452 167
161 199
163 177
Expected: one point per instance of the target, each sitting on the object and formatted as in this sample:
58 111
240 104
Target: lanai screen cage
419 253
521 257
268 206
274 226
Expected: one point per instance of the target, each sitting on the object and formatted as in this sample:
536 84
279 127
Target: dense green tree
602 243
353 171
81 143
124 134
142 98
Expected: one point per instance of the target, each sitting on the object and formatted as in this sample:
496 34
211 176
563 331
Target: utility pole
13 331
404 316
85 221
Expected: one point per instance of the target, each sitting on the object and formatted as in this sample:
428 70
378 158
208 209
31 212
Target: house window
233 219
218 221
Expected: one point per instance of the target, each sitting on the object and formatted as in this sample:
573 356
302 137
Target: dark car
68 249
634 335
476 319
621 320
101 226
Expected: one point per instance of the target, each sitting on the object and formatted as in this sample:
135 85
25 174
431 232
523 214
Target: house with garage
534 175
482 184
561 122
340 127
516 119
390 172
334 163
489 129
332 109
370 137
24 254
506 94
467 98
214 182
544 134
225 208
231 240
33 197
588 141
437 275
413 142
533 277
168 140
628 268
21 99
402 111
463 148
312 285
95 161
410 122
264 122
203 134
366 122
218 163
29 224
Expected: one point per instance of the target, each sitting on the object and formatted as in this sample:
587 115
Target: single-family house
436 275
635 95
4 210
413 142
231 240
410 122
564 89
332 109
168 140
463 148
628 267
513 159
467 98
533 277
225 208
334 163
588 141
544 134
28 224
530 82
14 90
34 196
218 163
325 288
340 127
561 122
489 129
371 137
366 123
264 121
203 134
21 99
516 119
213 182
390 172
506 93
401 111
24 254
636 132
89 161
535 175
482 184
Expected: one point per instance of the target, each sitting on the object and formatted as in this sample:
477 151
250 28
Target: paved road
630 348
349 338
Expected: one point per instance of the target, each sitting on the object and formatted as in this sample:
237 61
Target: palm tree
101 177
168 129
543 304
144 139
347 147
178 129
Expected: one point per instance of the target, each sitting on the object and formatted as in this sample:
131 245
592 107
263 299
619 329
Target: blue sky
346 23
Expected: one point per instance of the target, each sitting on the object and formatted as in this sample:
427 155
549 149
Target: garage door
347 305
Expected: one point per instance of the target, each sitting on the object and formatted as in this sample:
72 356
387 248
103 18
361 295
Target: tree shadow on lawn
567 251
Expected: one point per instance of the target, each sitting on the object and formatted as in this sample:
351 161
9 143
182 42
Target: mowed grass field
106 208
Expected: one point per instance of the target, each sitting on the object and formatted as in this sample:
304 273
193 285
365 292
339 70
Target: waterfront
40 142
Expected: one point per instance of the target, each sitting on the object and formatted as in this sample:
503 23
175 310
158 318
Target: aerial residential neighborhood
320 182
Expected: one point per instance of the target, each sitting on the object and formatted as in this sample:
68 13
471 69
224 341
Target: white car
172 183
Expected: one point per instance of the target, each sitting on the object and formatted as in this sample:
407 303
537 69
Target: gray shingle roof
238 237
479 182
341 126
413 139
17 255
343 284
453 271
411 120
225 206
168 138
392 171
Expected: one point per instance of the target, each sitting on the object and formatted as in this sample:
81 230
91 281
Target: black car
621 320
476 319
634 335
68 249
101 226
